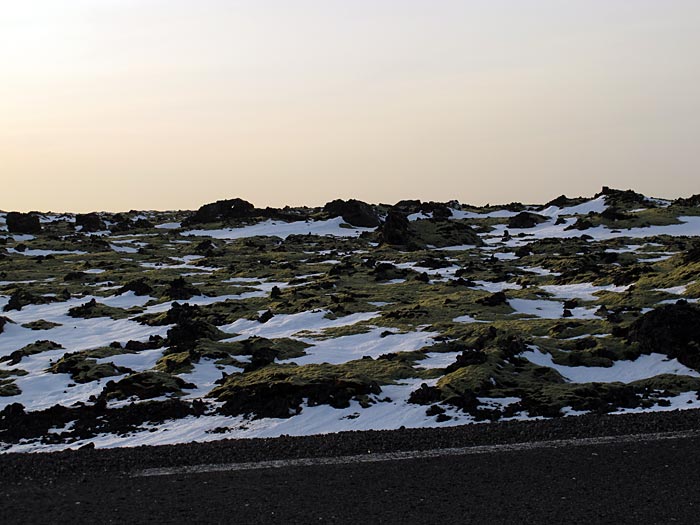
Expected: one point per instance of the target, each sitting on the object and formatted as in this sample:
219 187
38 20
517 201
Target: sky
169 104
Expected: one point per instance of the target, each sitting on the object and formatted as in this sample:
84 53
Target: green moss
35 348
41 325
382 371
176 363
84 369
8 388
92 309
145 385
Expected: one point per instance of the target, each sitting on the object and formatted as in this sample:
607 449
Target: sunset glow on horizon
155 104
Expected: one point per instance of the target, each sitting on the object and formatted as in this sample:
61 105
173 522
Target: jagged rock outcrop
397 230
89 222
354 212
24 223
671 329
221 211
525 219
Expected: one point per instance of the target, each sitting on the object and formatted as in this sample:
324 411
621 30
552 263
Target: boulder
221 211
494 299
145 385
525 219
615 197
670 329
564 202
425 395
205 248
25 223
274 391
408 206
611 213
467 358
21 298
354 212
90 222
189 329
689 202
179 289
138 286
438 210
396 229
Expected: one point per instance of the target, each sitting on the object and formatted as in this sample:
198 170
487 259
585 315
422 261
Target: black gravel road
633 475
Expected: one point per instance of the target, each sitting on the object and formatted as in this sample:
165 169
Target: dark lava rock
283 399
145 385
85 370
580 224
260 357
354 212
425 395
90 222
3 322
670 329
689 202
138 286
525 219
434 263
408 206
495 299
89 420
265 316
423 278
221 211
434 410
385 271
615 197
125 224
31 349
564 202
611 213
570 303
189 329
467 358
179 289
74 276
523 251
466 401
84 310
154 341
23 222
206 248
396 229
345 267
22 298
438 210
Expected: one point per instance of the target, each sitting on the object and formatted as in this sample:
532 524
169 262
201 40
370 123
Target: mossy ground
423 289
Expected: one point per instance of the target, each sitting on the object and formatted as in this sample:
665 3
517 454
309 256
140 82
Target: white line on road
412 454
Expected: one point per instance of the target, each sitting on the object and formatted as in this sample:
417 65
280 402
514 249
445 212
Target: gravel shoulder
596 481
48 467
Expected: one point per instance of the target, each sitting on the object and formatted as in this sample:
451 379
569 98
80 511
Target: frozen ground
319 304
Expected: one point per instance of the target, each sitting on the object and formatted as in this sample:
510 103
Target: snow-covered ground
382 327
270 228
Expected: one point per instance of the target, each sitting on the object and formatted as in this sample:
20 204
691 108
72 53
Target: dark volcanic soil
616 482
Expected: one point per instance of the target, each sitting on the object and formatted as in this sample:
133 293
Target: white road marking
413 454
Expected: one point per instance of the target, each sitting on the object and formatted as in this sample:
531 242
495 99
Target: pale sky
165 104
